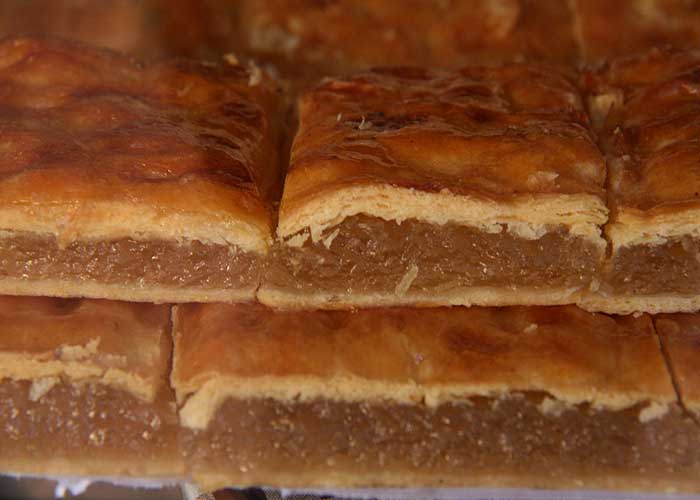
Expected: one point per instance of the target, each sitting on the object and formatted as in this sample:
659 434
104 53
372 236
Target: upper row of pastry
489 185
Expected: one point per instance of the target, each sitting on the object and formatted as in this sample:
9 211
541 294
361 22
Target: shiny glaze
130 336
651 134
496 133
79 125
562 349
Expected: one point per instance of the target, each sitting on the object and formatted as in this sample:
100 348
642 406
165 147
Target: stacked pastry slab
518 189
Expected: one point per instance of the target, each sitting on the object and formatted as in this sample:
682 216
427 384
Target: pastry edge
170 470
204 394
632 304
473 296
155 294
583 213
109 221
632 227
23 366
231 476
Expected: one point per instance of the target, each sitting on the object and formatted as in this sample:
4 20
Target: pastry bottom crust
526 296
129 293
629 304
126 269
522 440
87 429
416 262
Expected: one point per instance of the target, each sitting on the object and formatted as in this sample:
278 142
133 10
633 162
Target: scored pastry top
648 110
680 334
121 344
411 355
483 145
96 145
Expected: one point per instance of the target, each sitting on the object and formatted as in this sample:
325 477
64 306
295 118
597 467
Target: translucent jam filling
525 432
128 262
85 422
370 255
673 267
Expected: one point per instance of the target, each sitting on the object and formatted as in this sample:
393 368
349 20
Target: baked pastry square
482 186
308 39
510 397
145 28
607 29
130 181
680 335
648 109
84 389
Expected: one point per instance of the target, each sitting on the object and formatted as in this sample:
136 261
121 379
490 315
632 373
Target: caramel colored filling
673 267
128 262
370 255
527 433
85 422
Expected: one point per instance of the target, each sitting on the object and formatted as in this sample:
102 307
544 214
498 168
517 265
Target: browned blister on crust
547 397
84 381
608 29
502 150
97 149
648 110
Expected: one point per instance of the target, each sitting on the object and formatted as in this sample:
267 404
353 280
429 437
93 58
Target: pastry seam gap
672 375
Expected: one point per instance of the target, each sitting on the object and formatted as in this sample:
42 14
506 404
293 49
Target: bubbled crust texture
80 126
122 344
650 132
576 356
498 134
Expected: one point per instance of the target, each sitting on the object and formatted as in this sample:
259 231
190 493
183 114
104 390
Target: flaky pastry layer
99 146
526 216
247 350
123 345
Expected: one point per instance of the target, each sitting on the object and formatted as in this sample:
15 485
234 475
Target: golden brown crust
650 117
124 345
96 145
308 39
680 334
508 144
623 27
250 351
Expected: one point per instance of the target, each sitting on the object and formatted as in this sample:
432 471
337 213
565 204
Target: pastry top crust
648 108
412 355
680 334
96 145
475 146
125 345
617 28
341 36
